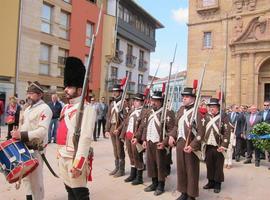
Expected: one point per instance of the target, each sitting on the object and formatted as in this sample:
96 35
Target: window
64 25
46 18
141 55
129 49
114 73
126 15
206 3
140 79
44 59
120 12
142 27
152 33
147 30
67 1
89 32
130 75
93 1
138 23
62 55
207 39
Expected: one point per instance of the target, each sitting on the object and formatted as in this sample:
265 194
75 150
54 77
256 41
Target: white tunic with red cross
66 129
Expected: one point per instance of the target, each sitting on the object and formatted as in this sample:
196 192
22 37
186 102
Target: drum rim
7 143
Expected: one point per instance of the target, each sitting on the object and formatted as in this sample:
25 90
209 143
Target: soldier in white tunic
74 167
216 139
34 132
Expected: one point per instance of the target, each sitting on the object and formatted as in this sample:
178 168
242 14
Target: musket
147 90
164 109
79 116
196 105
121 106
172 95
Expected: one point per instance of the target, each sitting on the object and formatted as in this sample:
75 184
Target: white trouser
65 165
33 183
228 159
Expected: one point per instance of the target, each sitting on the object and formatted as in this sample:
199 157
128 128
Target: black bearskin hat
74 72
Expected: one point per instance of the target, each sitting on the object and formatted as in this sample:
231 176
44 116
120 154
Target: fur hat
74 72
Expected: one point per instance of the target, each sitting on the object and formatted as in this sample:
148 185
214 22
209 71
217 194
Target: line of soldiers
141 128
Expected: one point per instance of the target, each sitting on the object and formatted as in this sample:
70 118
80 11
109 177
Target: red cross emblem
43 116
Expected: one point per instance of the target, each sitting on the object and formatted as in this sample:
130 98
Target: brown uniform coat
158 161
188 163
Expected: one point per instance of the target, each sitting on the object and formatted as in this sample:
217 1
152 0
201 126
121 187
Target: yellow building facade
231 37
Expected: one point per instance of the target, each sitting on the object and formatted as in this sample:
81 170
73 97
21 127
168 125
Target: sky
173 14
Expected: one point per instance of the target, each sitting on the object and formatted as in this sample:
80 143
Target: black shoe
209 185
139 178
257 163
237 159
160 188
183 196
29 197
248 161
217 187
153 186
191 198
132 176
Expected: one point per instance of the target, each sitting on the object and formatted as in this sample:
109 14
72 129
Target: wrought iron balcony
141 88
118 57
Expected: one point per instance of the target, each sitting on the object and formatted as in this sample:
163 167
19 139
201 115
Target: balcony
131 61
118 57
143 65
207 6
141 88
111 82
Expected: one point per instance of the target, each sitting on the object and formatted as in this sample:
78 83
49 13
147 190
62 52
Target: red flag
146 92
163 87
195 84
123 81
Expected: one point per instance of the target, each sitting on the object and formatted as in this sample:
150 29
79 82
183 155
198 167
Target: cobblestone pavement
245 182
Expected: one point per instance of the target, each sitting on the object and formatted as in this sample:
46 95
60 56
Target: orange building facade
83 23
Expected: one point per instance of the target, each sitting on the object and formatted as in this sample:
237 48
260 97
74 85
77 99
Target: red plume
195 84
163 87
219 95
146 92
123 81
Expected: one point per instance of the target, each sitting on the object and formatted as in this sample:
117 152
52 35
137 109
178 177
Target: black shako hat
138 96
188 91
74 72
117 87
213 101
157 95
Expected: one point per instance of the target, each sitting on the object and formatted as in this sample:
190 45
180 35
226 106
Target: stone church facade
232 38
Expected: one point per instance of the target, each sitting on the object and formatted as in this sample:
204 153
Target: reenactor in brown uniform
157 157
216 140
187 162
131 125
113 129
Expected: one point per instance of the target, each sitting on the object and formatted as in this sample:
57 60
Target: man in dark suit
102 113
237 120
56 108
251 120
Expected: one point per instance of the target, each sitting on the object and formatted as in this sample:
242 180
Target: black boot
132 176
160 188
183 196
139 178
190 198
247 161
121 171
153 186
209 185
116 168
70 193
217 187
29 197
81 193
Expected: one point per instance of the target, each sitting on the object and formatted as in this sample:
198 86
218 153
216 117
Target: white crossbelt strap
212 123
116 106
131 119
183 120
154 114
